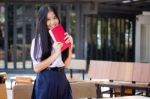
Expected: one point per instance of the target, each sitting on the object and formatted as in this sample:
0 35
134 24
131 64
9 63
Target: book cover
58 35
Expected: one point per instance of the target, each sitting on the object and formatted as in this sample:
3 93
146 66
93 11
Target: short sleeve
34 61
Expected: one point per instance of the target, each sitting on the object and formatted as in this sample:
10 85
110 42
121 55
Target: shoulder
33 41
36 41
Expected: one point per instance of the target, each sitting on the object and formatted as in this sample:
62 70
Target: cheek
56 22
47 23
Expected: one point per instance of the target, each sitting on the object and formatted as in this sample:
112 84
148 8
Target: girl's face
52 20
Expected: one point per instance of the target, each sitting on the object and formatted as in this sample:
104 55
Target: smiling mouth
51 27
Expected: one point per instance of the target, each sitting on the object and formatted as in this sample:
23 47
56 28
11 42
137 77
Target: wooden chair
141 72
79 90
23 80
77 64
140 78
122 72
99 69
3 90
99 72
3 77
22 91
83 90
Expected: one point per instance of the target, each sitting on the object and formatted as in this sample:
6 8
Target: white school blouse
57 63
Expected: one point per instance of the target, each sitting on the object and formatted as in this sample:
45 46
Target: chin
49 28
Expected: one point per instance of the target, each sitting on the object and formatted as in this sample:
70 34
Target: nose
52 23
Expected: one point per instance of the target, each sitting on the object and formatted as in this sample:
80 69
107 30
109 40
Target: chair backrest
22 91
121 71
3 91
114 71
3 77
92 69
83 90
77 64
79 90
23 80
99 69
141 72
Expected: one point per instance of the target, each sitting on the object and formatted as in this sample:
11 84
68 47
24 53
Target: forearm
67 62
45 63
69 39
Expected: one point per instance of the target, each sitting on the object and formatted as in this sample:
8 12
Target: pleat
51 85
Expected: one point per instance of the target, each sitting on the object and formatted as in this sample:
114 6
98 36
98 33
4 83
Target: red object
58 35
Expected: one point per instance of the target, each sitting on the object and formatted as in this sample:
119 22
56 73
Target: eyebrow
52 17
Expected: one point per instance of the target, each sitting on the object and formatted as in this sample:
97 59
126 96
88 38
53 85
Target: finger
57 43
67 41
67 37
66 33
60 43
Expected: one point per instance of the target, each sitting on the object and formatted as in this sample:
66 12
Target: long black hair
42 37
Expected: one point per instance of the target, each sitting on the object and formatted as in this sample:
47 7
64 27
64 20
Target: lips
51 27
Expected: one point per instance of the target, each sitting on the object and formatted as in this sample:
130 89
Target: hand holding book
68 38
58 35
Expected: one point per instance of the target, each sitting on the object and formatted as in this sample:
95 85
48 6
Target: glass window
68 18
20 33
114 38
2 21
72 24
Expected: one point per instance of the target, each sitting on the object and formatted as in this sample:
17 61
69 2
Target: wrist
57 53
71 47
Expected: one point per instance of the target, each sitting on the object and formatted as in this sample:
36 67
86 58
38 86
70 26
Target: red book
58 35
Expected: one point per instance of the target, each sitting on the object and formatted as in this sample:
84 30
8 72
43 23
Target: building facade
99 33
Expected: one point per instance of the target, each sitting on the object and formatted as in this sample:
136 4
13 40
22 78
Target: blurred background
116 30
111 30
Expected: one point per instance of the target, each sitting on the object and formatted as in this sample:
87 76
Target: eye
48 19
55 17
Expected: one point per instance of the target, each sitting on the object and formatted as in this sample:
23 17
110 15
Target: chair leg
98 91
147 92
111 92
122 93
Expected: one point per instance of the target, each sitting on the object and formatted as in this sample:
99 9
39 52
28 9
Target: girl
48 60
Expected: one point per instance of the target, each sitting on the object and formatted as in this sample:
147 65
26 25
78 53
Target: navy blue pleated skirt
51 85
